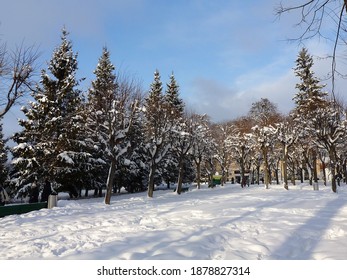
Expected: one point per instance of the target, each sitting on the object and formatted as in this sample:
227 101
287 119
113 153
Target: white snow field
226 222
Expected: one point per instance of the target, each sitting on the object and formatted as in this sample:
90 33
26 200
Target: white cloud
39 22
222 102
276 81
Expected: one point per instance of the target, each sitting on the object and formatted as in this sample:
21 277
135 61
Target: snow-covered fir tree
181 130
3 157
172 97
111 117
168 169
320 118
99 105
52 143
133 172
310 96
157 128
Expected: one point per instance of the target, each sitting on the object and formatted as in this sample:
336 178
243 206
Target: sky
224 54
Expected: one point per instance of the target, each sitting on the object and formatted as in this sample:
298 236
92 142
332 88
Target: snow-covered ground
226 222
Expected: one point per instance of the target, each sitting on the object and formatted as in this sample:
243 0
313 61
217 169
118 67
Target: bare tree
16 72
315 16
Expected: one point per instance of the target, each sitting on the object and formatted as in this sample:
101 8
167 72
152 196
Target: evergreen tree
310 96
112 113
318 117
176 104
134 171
3 157
100 97
180 135
52 143
157 128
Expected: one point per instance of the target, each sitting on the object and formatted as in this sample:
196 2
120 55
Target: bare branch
16 72
317 15
333 64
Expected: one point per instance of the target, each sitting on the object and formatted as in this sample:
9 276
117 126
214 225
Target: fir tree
157 128
180 137
52 143
100 98
134 171
3 157
112 112
175 103
317 116
310 96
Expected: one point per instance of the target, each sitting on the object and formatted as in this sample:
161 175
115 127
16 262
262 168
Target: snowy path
222 223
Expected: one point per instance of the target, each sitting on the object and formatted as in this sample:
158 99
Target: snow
65 157
226 222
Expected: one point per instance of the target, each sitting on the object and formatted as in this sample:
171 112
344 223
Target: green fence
16 209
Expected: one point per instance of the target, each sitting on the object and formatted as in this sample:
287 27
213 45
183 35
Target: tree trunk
198 173
314 167
258 174
284 166
333 171
243 177
344 168
324 173
277 176
110 181
151 179
293 174
180 176
266 169
310 176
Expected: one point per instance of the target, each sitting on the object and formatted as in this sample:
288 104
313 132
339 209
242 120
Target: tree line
117 136
311 137
112 136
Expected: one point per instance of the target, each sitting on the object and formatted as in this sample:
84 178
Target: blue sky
224 54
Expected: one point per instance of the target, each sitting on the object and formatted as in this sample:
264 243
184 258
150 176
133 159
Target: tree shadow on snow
301 244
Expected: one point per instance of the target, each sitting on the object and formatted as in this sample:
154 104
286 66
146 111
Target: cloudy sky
225 54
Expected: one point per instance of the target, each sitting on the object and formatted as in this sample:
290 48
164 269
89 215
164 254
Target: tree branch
16 72
314 14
